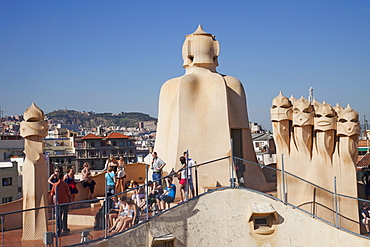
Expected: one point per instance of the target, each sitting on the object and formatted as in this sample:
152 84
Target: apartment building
96 149
9 182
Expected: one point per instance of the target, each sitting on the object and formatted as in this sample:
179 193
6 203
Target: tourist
168 196
137 213
191 164
121 174
54 178
139 193
366 182
365 215
183 180
111 161
156 190
113 213
157 167
61 192
69 178
110 181
127 215
88 182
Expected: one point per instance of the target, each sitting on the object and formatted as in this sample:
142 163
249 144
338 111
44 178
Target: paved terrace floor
14 237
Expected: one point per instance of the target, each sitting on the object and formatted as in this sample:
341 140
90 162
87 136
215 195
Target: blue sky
113 56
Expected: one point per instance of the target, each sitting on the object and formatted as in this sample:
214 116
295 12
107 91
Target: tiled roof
117 135
364 162
91 136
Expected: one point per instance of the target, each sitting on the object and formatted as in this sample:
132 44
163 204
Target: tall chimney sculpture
202 111
319 144
34 128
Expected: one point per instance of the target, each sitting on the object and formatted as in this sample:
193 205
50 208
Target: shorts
91 185
166 198
191 185
110 190
363 222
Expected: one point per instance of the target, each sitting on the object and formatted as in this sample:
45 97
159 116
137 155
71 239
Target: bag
73 187
121 173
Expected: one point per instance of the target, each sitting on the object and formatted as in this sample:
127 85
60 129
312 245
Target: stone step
84 220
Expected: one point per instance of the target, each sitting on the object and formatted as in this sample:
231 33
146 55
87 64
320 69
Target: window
92 144
260 221
20 189
122 143
79 144
114 143
7 199
7 181
165 244
263 219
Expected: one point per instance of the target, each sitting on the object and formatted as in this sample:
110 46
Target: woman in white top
127 215
139 193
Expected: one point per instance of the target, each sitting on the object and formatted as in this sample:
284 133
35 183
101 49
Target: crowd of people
124 212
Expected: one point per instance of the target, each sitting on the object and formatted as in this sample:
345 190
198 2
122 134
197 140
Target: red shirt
62 191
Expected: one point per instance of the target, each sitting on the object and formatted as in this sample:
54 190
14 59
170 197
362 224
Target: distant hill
92 119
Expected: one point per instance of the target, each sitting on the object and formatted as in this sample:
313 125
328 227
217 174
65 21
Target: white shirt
190 165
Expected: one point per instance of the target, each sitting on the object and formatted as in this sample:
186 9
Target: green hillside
92 119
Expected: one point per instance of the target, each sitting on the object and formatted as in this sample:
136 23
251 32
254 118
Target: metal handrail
198 196
291 174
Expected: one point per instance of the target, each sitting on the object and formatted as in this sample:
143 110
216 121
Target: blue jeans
156 176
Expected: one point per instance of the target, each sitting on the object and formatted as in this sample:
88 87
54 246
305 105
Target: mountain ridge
92 119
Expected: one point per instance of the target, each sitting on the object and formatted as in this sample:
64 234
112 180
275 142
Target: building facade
9 182
96 149
61 153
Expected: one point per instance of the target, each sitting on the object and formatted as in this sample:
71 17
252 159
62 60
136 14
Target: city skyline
113 56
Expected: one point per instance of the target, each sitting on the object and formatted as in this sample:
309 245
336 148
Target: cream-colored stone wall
319 143
221 219
33 129
200 110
